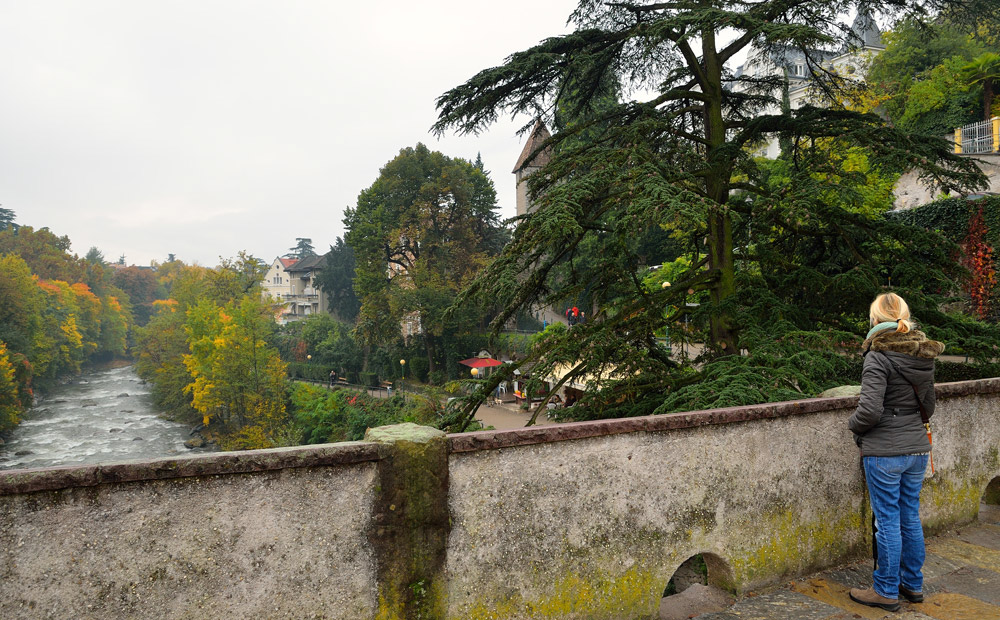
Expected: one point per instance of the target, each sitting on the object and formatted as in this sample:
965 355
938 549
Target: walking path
961 582
507 417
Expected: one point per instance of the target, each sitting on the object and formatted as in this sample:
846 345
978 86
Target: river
101 416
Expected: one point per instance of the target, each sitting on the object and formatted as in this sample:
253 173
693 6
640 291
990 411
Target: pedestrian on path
889 425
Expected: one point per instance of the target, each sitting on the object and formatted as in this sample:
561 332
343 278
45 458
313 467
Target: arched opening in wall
700 585
989 506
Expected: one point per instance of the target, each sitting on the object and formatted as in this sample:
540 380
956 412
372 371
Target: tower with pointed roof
532 158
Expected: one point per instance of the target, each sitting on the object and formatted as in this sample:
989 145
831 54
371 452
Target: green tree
235 278
7 220
920 71
985 70
337 281
160 349
46 254
94 256
303 248
142 287
679 159
420 233
21 306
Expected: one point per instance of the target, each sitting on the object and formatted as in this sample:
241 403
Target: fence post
410 525
958 141
996 134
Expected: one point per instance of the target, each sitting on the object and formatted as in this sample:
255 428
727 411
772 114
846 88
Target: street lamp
402 368
309 358
666 328
475 372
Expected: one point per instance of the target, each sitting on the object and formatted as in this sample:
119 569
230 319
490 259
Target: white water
103 416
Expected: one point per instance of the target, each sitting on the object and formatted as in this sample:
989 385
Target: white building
305 297
291 283
278 284
850 62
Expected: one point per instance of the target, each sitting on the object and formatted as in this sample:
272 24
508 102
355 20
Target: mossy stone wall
594 527
571 521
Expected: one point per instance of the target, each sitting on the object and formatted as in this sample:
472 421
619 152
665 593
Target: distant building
305 297
850 61
532 158
529 162
292 284
278 284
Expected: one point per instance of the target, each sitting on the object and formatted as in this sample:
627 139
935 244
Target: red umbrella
480 362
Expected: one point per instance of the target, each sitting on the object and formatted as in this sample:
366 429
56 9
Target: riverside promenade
961 582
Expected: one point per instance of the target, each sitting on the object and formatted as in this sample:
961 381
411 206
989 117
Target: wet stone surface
781 605
971 581
955 585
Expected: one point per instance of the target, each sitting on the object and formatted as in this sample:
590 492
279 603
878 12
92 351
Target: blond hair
889 307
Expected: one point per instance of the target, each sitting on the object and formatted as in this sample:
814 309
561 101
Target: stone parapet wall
584 520
264 534
590 520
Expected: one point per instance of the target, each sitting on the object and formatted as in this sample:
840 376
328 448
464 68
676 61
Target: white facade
278 285
850 63
305 297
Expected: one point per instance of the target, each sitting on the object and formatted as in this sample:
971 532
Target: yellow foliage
71 333
10 404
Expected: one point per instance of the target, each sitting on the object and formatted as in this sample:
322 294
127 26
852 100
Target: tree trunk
720 248
988 97
720 223
429 348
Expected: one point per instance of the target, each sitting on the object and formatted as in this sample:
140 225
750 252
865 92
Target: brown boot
873 599
910 595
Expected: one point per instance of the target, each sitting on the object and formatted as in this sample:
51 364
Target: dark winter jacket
887 421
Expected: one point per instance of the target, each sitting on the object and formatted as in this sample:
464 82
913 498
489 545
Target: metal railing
978 138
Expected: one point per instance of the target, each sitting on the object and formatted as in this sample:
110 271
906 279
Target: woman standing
896 383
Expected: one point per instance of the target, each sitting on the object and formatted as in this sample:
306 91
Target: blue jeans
894 488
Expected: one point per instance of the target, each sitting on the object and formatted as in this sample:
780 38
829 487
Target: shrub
418 367
439 377
959 371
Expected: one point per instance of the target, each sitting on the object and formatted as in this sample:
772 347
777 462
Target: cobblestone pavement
961 582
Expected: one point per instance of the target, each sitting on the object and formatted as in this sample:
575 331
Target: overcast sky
204 128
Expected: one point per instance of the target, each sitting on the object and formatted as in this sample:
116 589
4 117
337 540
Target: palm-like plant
984 69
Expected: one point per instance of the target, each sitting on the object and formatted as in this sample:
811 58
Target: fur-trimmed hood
914 343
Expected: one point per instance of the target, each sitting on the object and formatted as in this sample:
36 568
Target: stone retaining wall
584 520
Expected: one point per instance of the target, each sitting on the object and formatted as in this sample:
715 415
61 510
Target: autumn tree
235 278
11 403
419 234
22 332
679 158
978 258
209 353
237 378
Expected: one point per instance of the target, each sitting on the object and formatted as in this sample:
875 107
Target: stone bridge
585 520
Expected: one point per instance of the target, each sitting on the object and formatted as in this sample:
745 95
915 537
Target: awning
480 362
